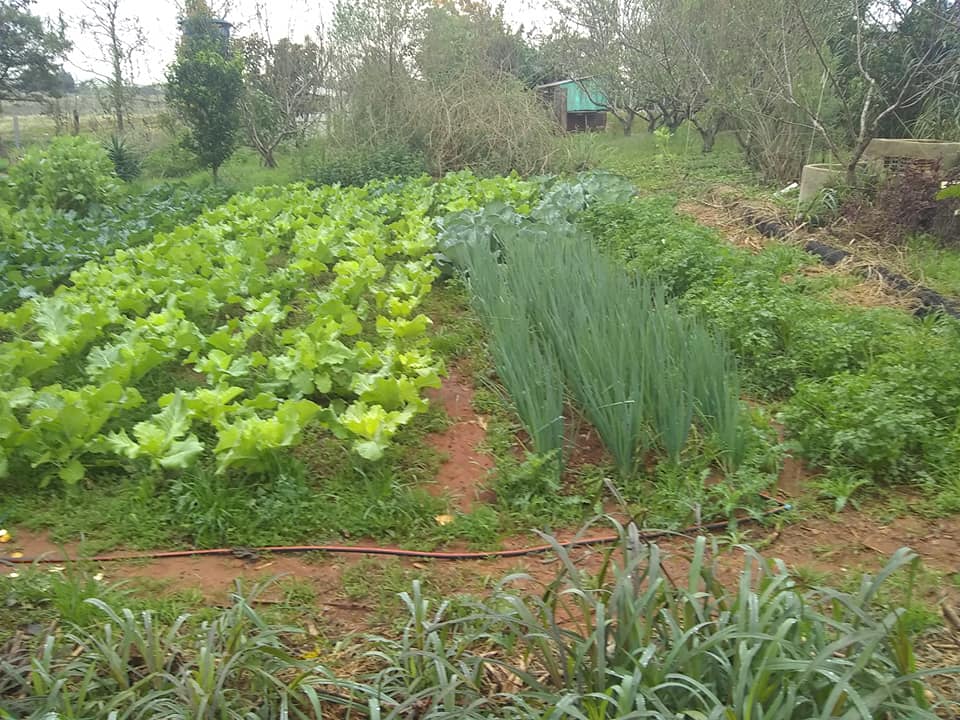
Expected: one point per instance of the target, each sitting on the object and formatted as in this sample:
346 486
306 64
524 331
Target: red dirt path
466 467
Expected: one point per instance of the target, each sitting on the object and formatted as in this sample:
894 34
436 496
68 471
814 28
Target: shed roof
558 83
582 94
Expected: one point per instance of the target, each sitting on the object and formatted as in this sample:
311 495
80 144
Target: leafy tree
374 45
29 50
204 88
54 84
466 34
284 91
381 33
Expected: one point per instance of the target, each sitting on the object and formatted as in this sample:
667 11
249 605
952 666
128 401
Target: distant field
38 124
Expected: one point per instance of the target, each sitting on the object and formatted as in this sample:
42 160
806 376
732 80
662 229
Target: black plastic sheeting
931 300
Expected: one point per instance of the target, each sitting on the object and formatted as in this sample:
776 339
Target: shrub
487 121
895 419
491 124
359 165
126 163
72 174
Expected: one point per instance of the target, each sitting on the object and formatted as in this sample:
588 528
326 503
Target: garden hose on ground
254 553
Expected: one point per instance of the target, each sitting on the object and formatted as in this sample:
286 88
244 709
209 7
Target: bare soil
465 467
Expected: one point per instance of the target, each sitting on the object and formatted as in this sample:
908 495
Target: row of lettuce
227 336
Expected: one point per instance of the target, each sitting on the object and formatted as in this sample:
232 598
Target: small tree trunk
627 123
673 121
268 159
708 132
858 152
216 173
652 122
76 122
709 137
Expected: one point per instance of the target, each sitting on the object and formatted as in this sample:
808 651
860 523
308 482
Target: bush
488 122
71 174
359 165
491 124
895 419
126 163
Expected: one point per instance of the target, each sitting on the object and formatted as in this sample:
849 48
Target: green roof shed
581 94
579 103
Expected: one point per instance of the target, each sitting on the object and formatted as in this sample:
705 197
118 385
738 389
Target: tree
874 60
381 33
373 48
284 91
459 34
29 50
119 38
204 87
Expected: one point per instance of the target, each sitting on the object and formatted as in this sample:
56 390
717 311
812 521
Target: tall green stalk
644 374
525 362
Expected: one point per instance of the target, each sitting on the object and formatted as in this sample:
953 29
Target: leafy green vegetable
281 308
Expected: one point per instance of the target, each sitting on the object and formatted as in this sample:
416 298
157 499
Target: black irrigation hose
932 300
254 553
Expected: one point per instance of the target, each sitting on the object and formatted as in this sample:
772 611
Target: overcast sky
159 21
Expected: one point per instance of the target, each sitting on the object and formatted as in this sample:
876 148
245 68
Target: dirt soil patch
465 467
853 541
724 213
730 225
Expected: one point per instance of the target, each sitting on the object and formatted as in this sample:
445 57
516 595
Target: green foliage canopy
29 49
204 87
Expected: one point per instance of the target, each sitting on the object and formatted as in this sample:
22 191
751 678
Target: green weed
933 265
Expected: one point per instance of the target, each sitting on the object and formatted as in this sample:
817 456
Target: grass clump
136 665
